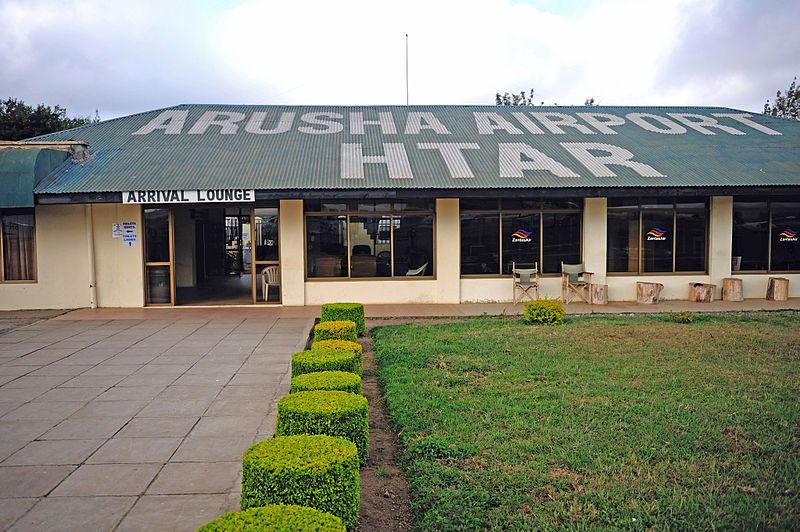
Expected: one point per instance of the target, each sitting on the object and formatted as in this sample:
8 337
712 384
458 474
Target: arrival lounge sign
233 195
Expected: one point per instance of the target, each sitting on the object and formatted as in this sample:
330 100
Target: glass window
690 241
750 236
326 242
786 239
413 245
156 223
370 246
480 244
520 240
561 234
19 250
265 235
623 241
657 241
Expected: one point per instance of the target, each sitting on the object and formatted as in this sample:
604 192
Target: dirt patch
385 504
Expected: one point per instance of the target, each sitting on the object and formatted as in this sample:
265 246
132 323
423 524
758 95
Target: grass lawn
601 422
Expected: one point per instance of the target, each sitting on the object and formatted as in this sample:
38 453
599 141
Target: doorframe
254 264
170 263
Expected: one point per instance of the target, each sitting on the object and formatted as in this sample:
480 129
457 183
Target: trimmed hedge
342 381
340 345
328 412
317 471
277 517
345 311
311 361
544 311
335 330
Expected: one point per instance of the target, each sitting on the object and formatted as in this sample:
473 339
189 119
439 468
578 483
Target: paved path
135 424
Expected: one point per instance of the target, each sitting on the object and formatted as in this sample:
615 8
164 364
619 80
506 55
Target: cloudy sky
121 57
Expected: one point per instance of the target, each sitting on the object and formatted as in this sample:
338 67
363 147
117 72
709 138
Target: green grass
603 422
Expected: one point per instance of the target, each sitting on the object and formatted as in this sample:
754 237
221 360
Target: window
657 235
369 239
495 234
18 244
766 234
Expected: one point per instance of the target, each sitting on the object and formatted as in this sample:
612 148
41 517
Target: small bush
680 317
335 330
333 413
544 311
277 517
311 361
327 380
316 471
345 311
340 345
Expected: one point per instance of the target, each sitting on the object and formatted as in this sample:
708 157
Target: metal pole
406 68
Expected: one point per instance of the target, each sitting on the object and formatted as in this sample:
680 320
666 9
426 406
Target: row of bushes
307 477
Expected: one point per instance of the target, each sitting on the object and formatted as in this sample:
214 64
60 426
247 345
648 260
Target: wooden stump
600 294
701 292
777 289
732 289
647 293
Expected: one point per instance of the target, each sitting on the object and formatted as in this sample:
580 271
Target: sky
121 57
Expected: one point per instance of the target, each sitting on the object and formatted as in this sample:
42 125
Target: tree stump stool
777 289
732 289
600 294
701 292
647 293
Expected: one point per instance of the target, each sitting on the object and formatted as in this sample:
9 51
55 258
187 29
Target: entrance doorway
226 255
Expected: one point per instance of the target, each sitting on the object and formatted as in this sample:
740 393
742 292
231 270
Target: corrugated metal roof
322 147
21 170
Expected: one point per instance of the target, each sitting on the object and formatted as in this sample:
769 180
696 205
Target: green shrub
277 517
335 330
311 361
342 381
308 470
345 311
340 345
328 412
680 317
544 311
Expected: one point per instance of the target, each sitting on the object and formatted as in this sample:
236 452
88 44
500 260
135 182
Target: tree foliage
19 121
785 105
526 98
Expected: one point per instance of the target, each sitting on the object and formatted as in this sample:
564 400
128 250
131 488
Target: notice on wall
125 231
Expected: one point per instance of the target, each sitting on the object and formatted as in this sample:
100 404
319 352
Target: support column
720 240
292 254
448 251
595 239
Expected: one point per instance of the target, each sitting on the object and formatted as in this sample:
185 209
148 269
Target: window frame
769 200
12 212
674 209
499 212
390 214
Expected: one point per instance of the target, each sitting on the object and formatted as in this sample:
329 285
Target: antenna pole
406 68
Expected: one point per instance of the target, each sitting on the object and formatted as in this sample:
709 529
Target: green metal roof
441 147
21 169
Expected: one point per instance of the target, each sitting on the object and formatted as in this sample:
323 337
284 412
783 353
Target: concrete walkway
131 424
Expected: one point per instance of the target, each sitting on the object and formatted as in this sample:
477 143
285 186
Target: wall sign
126 231
228 195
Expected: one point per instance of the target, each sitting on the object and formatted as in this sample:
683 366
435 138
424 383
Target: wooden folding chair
525 280
575 281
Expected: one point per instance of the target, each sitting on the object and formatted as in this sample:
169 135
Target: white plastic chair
270 276
418 271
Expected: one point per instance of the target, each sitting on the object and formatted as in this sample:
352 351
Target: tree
785 105
523 98
19 121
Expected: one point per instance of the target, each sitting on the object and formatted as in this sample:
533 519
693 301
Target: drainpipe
90 250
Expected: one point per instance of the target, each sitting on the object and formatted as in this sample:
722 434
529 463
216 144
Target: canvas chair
525 280
575 281
269 277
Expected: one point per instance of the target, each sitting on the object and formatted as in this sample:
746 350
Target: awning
21 170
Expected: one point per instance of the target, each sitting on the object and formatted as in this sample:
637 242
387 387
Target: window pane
480 244
561 235
370 246
520 240
156 223
19 260
623 241
556 203
326 240
158 285
657 241
750 237
690 243
471 204
623 203
521 205
413 245
268 283
413 205
785 240
657 203
265 235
